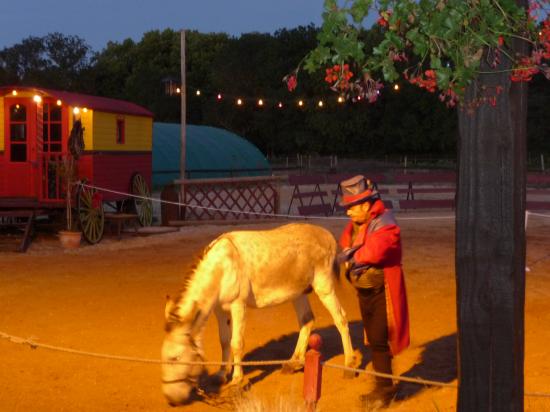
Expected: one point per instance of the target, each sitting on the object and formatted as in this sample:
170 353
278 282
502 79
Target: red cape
382 247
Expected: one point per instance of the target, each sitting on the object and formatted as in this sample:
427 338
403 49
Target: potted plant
71 237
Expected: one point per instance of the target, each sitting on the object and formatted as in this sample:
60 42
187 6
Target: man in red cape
371 258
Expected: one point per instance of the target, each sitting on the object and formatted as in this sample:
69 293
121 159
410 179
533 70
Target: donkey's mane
192 271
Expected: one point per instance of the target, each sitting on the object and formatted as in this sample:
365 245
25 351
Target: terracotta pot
70 240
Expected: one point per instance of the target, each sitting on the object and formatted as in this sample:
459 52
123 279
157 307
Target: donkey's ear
168 307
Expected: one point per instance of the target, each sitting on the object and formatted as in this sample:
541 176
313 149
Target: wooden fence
226 199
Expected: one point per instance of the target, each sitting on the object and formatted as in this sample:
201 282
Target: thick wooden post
313 372
490 242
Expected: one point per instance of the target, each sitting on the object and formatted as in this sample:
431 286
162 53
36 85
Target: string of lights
261 102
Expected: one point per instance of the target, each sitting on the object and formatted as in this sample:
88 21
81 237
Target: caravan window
18 133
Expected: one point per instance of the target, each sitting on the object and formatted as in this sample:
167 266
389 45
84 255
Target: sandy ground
110 299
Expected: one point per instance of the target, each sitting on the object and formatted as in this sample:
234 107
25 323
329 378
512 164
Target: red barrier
313 372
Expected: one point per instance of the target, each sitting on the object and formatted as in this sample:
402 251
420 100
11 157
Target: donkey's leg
306 321
326 294
238 312
224 332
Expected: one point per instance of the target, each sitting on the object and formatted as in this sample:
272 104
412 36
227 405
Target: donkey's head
182 353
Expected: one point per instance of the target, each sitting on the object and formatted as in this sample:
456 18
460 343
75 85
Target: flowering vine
438 45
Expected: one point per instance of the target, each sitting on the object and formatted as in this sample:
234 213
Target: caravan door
21 167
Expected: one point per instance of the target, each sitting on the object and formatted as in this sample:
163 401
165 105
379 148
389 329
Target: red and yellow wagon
35 125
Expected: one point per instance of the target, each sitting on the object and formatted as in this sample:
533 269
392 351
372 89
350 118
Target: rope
168 202
34 345
287 216
389 376
537 214
417 380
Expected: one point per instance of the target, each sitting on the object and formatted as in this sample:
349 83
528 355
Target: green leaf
442 77
435 62
359 10
316 58
389 72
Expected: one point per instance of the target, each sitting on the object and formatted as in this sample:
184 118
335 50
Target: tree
55 61
478 54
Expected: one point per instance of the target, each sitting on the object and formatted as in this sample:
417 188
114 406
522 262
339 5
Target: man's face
359 213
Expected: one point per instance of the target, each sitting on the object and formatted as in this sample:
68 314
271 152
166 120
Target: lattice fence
230 198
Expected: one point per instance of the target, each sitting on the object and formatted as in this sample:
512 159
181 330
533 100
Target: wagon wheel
143 204
90 214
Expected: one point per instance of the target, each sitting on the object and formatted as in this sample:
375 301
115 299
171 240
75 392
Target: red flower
382 22
429 82
291 82
525 71
340 75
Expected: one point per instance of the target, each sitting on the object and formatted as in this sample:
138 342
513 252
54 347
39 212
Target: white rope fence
34 345
215 209
286 216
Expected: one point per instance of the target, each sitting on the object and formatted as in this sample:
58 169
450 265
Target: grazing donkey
248 268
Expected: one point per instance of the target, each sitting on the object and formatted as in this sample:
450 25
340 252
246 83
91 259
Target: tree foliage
434 44
55 61
250 66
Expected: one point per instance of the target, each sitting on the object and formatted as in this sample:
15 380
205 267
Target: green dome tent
210 152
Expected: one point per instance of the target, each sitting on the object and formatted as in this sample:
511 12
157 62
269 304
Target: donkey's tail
336 269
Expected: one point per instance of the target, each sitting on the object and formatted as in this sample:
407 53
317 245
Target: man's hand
346 254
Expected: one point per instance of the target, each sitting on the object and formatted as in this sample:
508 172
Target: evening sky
100 21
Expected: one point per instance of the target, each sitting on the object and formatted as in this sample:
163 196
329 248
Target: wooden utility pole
183 108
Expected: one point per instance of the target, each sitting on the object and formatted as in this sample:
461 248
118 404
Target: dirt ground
110 299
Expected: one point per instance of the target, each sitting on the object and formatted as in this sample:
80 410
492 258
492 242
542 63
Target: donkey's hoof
235 388
291 367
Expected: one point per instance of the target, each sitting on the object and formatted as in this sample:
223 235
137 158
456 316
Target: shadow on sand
437 360
437 363
282 349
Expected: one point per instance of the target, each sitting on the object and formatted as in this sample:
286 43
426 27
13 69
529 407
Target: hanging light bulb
320 103
340 99
198 92
85 110
395 87
178 90
239 102
14 92
219 96
37 98
300 103
260 102
58 102
280 105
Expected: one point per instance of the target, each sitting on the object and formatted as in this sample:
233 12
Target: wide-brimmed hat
357 189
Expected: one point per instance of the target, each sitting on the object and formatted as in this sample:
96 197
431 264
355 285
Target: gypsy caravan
116 146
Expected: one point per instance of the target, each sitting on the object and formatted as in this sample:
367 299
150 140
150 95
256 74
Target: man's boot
384 390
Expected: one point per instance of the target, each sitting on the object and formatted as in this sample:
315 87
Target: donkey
255 269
